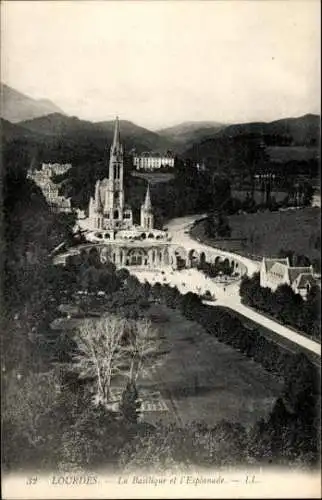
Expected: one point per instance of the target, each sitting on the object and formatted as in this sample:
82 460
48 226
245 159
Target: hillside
301 131
12 132
73 132
295 139
60 125
185 133
16 106
132 132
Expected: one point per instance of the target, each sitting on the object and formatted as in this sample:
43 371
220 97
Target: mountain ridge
71 127
302 131
188 131
16 106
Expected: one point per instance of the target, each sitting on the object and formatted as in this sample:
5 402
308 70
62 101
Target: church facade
107 208
110 221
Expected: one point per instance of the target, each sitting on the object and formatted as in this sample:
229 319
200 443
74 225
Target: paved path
226 295
291 335
179 230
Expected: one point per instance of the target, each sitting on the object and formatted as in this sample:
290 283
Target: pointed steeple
117 138
147 202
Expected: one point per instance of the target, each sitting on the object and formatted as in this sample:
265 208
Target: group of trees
30 230
217 226
284 304
110 348
190 191
218 267
297 260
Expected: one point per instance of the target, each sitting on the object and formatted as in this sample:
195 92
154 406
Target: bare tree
142 348
100 354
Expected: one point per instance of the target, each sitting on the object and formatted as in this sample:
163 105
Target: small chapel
107 209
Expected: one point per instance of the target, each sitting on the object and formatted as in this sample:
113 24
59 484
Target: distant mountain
130 132
16 106
303 131
72 130
57 124
58 137
187 132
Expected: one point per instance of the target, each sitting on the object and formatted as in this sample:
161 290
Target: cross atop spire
147 201
117 138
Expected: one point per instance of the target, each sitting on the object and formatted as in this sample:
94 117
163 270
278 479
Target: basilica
109 217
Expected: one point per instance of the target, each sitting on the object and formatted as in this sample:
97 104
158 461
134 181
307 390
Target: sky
159 63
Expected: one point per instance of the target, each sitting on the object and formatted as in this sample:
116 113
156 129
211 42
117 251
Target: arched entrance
193 258
180 257
202 259
217 260
225 267
137 257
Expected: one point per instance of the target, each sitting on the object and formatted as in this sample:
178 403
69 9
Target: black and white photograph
161 249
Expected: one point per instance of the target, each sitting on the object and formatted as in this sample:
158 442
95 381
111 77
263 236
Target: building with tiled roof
276 272
153 161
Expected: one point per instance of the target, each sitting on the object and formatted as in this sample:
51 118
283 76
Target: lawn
201 379
266 233
269 232
154 177
292 153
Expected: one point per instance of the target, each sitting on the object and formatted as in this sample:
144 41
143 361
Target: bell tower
116 191
147 219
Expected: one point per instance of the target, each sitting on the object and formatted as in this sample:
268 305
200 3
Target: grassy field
154 178
269 232
266 233
201 379
289 153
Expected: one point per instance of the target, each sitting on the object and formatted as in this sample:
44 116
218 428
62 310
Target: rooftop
152 154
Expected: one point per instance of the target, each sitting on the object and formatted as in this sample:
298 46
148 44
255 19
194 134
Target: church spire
147 201
117 138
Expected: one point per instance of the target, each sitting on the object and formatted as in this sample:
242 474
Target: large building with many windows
150 161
